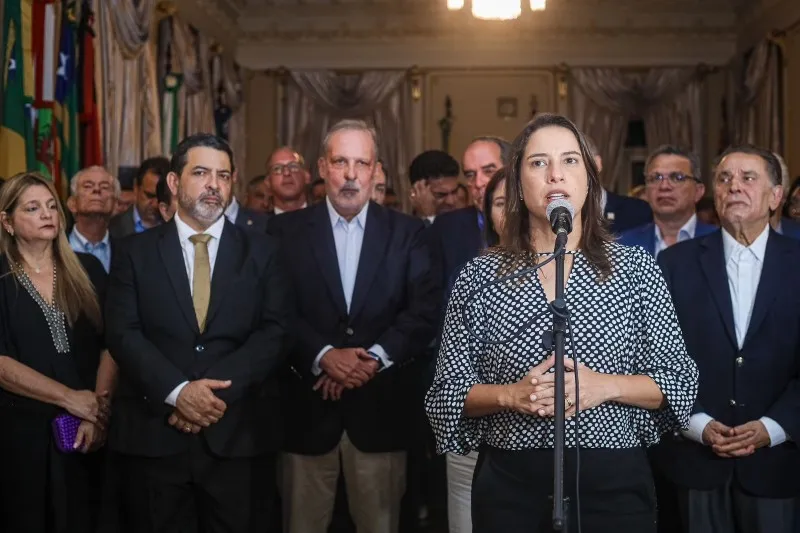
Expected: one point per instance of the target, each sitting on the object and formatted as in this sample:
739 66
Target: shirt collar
85 242
603 199
137 219
277 210
360 218
687 231
185 231
233 210
758 248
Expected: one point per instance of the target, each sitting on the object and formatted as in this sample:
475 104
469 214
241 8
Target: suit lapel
650 238
169 247
376 239
772 272
324 249
226 266
712 260
474 231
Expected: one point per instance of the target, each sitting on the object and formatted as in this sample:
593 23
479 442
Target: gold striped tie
201 281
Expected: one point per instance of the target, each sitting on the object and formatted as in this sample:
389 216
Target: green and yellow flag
17 148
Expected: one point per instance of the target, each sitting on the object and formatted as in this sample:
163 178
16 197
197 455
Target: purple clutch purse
65 430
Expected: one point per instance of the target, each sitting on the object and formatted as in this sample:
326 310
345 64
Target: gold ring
187 428
569 402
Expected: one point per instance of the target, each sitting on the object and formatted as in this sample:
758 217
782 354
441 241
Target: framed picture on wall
507 107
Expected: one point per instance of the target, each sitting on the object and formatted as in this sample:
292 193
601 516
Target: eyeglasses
277 170
676 178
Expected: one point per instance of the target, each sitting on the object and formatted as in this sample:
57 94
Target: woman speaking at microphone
494 385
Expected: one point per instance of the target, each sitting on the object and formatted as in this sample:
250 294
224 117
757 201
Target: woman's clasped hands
535 393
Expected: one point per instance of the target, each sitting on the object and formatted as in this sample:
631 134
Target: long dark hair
491 234
517 244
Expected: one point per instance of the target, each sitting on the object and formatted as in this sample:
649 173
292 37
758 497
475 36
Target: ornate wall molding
216 18
400 33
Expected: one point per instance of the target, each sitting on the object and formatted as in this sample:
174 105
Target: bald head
287 177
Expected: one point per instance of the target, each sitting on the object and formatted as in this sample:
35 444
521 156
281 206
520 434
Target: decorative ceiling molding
217 19
765 18
635 48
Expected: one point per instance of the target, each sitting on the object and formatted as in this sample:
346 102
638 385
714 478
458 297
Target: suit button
733 403
349 332
739 361
199 348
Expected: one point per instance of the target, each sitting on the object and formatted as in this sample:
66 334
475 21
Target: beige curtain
191 52
314 100
603 101
131 125
754 98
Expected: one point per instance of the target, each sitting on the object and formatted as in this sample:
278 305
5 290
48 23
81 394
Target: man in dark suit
246 218
367 298
144 213
196 318
737 296
621 212
673 186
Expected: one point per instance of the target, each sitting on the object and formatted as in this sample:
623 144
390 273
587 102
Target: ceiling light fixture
496 9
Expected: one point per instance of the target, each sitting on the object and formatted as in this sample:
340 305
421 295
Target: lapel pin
249 222
610 215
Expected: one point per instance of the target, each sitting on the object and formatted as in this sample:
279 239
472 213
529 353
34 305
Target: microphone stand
559 309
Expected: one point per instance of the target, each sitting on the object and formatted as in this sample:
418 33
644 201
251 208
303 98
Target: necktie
201 281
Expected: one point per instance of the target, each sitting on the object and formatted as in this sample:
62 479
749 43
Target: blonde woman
50 365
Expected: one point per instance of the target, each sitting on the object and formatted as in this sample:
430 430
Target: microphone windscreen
561 202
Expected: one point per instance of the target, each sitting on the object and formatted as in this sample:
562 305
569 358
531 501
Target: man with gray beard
196 320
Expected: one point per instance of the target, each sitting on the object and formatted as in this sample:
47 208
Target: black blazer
455 239
252 220
624 213
761 378
395 304
122 225
153 335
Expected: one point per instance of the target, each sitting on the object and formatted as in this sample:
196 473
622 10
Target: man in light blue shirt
673 187
93 196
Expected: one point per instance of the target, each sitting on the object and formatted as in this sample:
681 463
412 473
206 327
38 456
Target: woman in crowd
494 387
494 205
50 365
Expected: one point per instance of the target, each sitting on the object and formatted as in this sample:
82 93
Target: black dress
43 490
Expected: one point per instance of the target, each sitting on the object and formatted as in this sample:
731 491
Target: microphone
560 213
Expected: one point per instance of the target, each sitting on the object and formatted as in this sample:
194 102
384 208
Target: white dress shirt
686 232
743 265
277 210
184 233
233 210
348 237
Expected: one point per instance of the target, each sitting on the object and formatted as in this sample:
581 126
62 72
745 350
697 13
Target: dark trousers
728 509
198 492
511 492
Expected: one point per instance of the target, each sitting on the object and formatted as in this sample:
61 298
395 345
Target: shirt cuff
172 399
315 368
697 424
777 435
378 350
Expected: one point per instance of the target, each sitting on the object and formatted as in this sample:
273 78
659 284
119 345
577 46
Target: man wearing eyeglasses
288 180
672 188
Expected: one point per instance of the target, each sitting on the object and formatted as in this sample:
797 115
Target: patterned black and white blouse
625 324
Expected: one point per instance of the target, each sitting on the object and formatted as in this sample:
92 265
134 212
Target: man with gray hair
367 300
736 298
672 188
93 197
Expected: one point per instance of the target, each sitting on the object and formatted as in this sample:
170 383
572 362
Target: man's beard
200 210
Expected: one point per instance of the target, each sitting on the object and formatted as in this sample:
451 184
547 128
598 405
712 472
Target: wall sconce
416 84
216 48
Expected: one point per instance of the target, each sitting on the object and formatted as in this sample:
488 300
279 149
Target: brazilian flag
17 147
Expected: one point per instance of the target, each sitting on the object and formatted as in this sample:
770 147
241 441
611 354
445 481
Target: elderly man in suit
737 296
367 297
673 187
144 213
196 318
